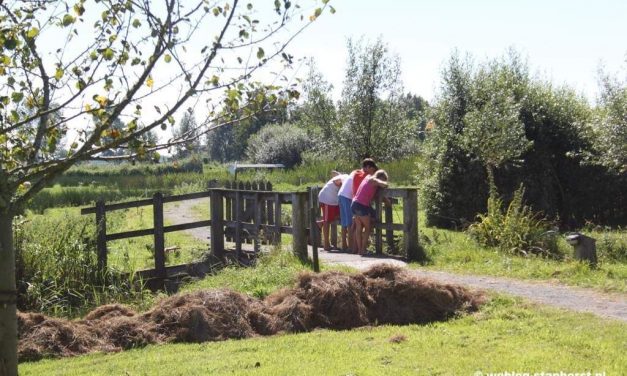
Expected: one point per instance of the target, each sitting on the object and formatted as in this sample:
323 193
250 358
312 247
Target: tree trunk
8 315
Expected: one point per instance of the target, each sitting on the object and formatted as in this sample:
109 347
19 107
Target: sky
564 41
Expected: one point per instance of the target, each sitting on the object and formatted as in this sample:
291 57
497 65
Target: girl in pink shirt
363 213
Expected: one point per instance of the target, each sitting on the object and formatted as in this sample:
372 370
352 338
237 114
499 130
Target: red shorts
330 212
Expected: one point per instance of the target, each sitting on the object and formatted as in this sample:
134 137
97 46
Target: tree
493 131
317 113
611 123
374 123
187 130
136 62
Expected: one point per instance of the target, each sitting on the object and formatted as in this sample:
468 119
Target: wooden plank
130 234
197 269
187 226
118 206
187 196
217 225
159 237
299 226
101 235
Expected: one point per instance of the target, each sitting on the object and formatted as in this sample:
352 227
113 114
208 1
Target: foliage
57 267
517 230
546 155
610 124
187 133
280 143
373 119
317 114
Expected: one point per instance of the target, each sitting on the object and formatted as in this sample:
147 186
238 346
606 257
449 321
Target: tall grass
57 270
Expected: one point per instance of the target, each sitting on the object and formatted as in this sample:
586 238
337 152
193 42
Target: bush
517 230
280 143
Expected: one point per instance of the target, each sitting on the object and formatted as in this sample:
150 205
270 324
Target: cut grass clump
333 300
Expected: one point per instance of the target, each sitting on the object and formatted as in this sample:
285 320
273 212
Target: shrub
280 143
517 230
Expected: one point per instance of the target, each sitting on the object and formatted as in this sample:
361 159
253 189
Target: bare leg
354 235
344 236
366 234
358 229
325 235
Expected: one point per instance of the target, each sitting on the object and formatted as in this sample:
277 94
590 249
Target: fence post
257 222
313 234
413 250
378 232
277 218
238 224
389 220
217 224
101 235
159 237
299 226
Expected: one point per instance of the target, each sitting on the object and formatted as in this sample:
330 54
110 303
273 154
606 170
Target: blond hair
381 175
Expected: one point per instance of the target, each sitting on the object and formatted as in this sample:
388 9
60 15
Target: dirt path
571 298
181 212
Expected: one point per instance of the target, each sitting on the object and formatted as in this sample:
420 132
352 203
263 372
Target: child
328 198
347 192
364 214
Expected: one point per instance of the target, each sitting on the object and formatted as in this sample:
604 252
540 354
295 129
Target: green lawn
456 252
506 335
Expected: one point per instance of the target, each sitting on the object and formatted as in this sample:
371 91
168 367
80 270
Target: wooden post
101 235
277 218
229 209
389 232
217 224
238 224
299 226
159 236
378 232
313 234
413 250
257 222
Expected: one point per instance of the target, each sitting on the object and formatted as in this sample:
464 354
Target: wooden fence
253 213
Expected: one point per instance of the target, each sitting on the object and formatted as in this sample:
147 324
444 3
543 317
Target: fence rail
245 213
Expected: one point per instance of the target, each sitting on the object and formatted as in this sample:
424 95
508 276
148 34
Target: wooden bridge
253 213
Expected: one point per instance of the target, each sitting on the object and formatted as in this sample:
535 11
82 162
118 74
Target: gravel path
556 295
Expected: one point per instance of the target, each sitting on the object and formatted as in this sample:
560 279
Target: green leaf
79 9
17 96
216 11
167 58
10 43
249 6
136 23
108 54
331 9
171 120
59 73
164 126
32 33
318 12
68 19
260 53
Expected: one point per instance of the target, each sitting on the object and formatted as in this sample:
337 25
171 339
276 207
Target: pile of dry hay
381 295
